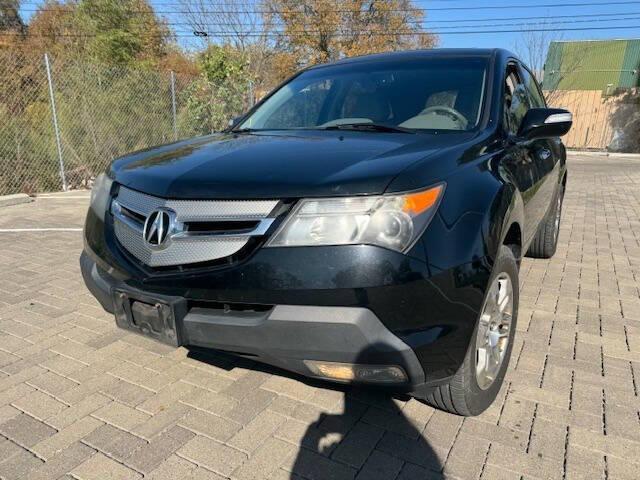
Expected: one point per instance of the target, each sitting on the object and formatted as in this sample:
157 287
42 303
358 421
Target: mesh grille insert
200 230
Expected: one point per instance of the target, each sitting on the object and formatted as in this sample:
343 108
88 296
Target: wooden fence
592 112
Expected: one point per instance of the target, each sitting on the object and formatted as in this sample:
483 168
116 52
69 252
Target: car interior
425 98
444 103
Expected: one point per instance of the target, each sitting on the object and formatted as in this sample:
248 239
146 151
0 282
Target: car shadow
371 437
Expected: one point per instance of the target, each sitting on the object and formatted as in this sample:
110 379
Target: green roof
592 65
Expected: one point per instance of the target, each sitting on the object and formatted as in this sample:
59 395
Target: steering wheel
451 112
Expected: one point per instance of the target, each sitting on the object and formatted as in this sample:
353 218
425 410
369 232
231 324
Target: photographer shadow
371 439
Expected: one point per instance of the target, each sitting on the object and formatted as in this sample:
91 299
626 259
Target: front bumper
284 335
429 307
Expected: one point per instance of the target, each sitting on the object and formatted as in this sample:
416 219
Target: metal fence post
251 93
173 105
55 123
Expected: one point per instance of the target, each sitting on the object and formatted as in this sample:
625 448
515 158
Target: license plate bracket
158 318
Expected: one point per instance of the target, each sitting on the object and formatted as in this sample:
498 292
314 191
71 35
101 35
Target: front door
520 160
545 152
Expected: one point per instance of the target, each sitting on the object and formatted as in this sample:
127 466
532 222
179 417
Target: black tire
545 242
462 395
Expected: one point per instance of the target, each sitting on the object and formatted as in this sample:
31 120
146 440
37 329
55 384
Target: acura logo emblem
157 227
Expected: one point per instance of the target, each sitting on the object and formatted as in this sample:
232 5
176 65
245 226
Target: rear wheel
545 242
476 384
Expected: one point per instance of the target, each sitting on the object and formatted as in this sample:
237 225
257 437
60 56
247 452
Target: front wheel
476 384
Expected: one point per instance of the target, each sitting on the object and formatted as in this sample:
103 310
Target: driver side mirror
545 123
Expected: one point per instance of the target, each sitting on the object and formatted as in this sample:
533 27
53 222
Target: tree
219 94
122 31
532 47
233 22
54 29
10 16
109 61
316 31
280 36
237 24
111 32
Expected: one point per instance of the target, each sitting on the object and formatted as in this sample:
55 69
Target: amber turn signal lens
416 203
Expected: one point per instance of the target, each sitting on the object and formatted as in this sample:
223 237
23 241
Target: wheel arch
507 222
513 240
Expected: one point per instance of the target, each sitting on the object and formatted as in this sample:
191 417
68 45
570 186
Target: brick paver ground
81 399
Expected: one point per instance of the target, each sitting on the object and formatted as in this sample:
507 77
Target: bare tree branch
532 48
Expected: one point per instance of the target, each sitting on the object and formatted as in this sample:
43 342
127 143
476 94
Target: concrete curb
592 153
15 199
64 194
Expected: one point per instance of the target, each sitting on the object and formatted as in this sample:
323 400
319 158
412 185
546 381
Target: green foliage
103 113
115 47
112 32
110 61
222 64
117 36
219 94
27 140
107 112
111 93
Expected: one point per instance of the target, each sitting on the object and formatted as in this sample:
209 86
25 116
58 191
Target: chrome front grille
197 210
198 231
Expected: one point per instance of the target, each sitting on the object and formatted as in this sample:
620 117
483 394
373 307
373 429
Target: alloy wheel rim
492 339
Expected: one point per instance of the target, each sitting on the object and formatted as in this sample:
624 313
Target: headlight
100 195
391 221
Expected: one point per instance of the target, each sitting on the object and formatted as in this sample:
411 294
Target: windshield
424 94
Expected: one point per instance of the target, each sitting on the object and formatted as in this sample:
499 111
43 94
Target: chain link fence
62 123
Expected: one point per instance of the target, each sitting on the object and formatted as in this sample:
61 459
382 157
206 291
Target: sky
481 15
593 18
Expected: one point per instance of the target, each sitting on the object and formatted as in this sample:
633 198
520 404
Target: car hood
277 164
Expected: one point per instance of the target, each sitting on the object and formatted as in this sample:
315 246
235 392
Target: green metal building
605 65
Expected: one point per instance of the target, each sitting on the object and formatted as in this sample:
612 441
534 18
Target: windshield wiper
374 127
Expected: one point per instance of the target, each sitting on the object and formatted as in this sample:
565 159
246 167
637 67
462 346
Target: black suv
363 223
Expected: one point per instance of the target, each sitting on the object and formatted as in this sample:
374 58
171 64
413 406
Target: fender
472 223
